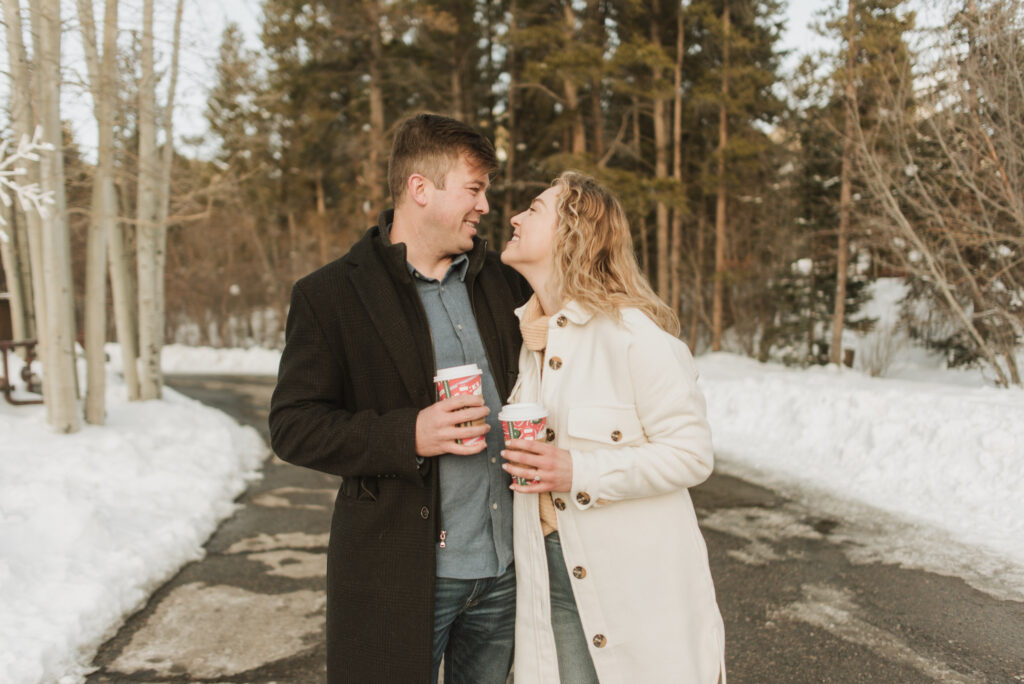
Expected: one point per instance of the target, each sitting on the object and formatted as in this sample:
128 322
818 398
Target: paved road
798 604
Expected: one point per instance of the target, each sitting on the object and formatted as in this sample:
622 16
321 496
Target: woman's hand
546 467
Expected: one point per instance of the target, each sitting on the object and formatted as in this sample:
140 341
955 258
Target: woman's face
533 234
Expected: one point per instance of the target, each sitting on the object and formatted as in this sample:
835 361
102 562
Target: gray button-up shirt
476 502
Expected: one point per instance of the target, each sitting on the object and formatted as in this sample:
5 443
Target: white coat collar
572 310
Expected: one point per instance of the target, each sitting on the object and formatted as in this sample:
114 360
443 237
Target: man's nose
482 206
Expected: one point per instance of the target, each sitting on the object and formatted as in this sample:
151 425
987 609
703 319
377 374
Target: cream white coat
622 397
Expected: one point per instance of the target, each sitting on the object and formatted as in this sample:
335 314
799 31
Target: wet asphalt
800 600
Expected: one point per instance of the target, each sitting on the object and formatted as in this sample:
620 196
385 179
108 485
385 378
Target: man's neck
417 250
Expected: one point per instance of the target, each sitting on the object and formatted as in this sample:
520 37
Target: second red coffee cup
524 421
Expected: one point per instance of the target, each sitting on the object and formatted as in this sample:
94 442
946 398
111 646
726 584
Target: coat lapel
379 294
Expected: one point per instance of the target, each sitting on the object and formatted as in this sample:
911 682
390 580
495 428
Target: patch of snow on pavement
91 523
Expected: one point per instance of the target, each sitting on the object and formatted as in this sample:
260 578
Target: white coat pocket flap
605 424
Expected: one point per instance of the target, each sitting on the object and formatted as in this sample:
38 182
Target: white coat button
599 640
579 572
561 321
555 363
583 498
616 436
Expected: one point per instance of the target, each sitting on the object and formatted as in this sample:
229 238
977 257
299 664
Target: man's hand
437 426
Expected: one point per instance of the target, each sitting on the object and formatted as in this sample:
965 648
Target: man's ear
419 189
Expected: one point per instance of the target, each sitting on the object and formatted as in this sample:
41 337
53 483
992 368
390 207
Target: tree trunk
375 190
164 196
660 165
645 257
596 12
513 99
148 216
720 225
13 253
56 243
698 280
572 98
845 199
103 84
676 256
321 218
23 120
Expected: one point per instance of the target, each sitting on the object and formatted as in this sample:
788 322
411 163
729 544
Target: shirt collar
459 266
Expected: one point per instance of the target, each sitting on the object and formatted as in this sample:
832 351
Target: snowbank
179 358
91 523
946 455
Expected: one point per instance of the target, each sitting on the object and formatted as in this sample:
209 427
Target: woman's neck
550 303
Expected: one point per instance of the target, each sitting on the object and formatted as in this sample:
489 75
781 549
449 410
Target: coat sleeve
674 451
310 425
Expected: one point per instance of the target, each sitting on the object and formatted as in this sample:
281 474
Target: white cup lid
522 411
454 372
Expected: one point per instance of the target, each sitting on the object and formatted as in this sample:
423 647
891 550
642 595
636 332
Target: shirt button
551 436
579 572
560 504
599 640
424 512
494 460
494 506
459 326
561 321
583 498
616 436
555 363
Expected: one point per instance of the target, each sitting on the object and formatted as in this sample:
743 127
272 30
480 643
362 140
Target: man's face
456 209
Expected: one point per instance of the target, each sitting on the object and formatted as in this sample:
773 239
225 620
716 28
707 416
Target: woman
613 583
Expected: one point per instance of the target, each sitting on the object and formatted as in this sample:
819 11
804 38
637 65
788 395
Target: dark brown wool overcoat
357 367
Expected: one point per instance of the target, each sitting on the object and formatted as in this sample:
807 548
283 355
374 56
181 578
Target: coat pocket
359 489
606 425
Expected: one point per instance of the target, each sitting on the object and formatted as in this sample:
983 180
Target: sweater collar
571 310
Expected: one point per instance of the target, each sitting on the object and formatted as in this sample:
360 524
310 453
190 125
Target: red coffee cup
456 381
524 421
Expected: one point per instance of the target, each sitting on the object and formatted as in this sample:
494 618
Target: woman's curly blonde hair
594 260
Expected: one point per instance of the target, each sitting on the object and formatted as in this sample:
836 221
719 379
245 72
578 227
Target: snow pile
942 454
91 523
180 358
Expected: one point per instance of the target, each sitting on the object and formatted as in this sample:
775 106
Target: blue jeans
575 665
474 628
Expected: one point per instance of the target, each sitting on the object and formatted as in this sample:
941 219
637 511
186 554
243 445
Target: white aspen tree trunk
12 253
845 199
147 216
164 199
30 222
720 224
104 210
60 357
119 267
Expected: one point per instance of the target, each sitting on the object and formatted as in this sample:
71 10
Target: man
420 557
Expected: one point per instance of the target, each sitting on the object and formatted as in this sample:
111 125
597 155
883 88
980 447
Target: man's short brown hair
430 145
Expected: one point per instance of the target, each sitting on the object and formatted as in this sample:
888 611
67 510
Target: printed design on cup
523 421
457 381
